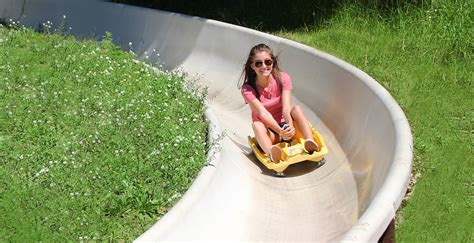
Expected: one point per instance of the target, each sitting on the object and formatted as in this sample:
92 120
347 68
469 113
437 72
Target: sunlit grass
92 144
423 56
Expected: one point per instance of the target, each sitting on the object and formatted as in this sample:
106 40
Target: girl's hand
288 132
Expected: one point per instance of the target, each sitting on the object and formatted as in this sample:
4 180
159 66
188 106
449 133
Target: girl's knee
296 110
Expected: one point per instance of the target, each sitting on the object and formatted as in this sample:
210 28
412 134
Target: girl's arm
286 100
265 116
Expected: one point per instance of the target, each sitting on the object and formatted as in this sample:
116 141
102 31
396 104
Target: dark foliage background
269 15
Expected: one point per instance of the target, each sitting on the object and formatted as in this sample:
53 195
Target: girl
267 90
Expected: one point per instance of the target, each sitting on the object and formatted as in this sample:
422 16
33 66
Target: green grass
423 56
92 144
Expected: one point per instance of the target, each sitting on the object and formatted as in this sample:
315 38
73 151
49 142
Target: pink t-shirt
270 99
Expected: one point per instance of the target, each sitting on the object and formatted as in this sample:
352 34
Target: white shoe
275 154
310 145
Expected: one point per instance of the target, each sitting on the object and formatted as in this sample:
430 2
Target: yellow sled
292 152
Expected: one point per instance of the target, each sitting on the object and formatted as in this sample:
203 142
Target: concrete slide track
353 197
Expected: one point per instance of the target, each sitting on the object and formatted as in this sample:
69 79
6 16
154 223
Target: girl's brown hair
249 75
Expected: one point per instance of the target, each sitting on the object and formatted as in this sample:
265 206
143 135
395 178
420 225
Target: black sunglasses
268 62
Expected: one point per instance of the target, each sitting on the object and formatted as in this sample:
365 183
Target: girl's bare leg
302 121
266 139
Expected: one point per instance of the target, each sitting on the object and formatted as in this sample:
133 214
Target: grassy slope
92 144
424 59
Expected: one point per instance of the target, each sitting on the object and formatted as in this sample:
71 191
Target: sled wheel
321 162
279 174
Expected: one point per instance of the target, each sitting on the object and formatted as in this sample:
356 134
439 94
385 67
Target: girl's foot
310 145
275 154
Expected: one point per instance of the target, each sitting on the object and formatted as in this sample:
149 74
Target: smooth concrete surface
353 197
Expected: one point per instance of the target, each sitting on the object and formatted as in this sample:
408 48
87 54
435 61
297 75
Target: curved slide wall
353 196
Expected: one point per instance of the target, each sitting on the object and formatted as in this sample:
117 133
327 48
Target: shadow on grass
266 15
